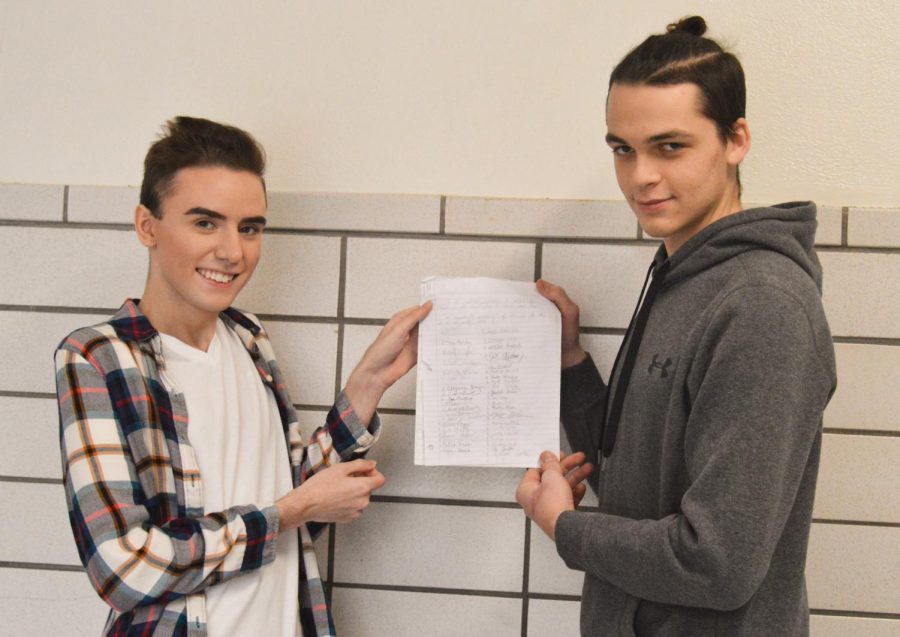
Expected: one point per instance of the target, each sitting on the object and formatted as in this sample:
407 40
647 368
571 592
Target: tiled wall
442 550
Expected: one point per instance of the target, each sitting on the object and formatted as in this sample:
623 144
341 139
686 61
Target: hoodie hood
788 229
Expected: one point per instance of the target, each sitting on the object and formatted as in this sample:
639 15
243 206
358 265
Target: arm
757 393
582 390
131 558
331 491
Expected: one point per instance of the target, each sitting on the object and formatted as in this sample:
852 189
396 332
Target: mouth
652 204
216 276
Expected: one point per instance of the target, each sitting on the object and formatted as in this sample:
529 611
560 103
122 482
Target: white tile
39 602
873 227
357 339
394 454
40 531
829 231
604 280
383 275
28 341
558 618
459 547
103 204
832 626
547 573
31 202
30 431
540 217
859 479
865 397
310 420
376 613
307 354
337 211
110 266
853 568
857 293
296 275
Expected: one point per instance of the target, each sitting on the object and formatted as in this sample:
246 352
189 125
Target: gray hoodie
706 497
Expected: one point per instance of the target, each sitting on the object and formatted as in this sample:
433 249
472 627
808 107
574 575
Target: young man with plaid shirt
192 497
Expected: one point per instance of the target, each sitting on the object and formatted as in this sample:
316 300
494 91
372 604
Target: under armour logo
662 367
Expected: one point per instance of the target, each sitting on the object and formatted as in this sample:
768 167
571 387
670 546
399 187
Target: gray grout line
38 566
65 210
852 613
538 260
30 480
442 221
526 564
26 394
845 226
838 431
435 590
433 236
344 320
885 525
329 576
471 592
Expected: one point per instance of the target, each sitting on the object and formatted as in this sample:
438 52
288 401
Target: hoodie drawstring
636 330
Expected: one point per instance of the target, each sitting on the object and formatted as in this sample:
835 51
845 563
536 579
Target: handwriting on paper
488 375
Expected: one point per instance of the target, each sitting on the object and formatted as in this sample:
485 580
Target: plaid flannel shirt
134 489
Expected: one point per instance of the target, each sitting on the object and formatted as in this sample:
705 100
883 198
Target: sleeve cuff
580 385
364 437
262 532
571 530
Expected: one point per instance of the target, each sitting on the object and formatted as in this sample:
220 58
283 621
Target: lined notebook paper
487 384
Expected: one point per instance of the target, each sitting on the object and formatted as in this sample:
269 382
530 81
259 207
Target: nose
646 172
229 248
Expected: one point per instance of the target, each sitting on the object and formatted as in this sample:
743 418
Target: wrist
363 391
573 357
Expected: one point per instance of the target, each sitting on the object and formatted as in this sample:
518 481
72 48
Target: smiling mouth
652 202
218 277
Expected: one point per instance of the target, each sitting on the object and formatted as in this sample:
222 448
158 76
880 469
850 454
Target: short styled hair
683 55
192 141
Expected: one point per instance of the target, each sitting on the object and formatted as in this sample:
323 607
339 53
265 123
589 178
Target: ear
145 225
738 142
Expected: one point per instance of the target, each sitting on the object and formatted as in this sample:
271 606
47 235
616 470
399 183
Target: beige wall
469 97
459 103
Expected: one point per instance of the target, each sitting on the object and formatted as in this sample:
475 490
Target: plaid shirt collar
132 326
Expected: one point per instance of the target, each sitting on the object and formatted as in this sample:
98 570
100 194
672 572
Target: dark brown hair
684 55
192 141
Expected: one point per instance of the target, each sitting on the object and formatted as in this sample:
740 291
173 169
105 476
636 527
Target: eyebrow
672 134
206 212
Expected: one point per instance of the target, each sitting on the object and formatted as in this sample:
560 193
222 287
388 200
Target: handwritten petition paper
487 384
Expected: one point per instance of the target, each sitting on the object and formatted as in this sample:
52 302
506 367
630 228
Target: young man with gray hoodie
706 438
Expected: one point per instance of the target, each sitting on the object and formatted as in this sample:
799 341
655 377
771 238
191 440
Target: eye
671 147
622 150
251 230
205 224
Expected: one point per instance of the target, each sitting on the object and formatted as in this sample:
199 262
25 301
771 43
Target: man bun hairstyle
684 55
192 141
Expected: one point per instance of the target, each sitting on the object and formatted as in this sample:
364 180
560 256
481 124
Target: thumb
549 462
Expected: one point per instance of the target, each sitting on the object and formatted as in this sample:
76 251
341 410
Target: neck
728 206
192 327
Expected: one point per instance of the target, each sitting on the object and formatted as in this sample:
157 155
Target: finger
567 462
580 474
549 462
557 295
578 493
405 319
360 466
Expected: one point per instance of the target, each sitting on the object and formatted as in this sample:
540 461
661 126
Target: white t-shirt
236 433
